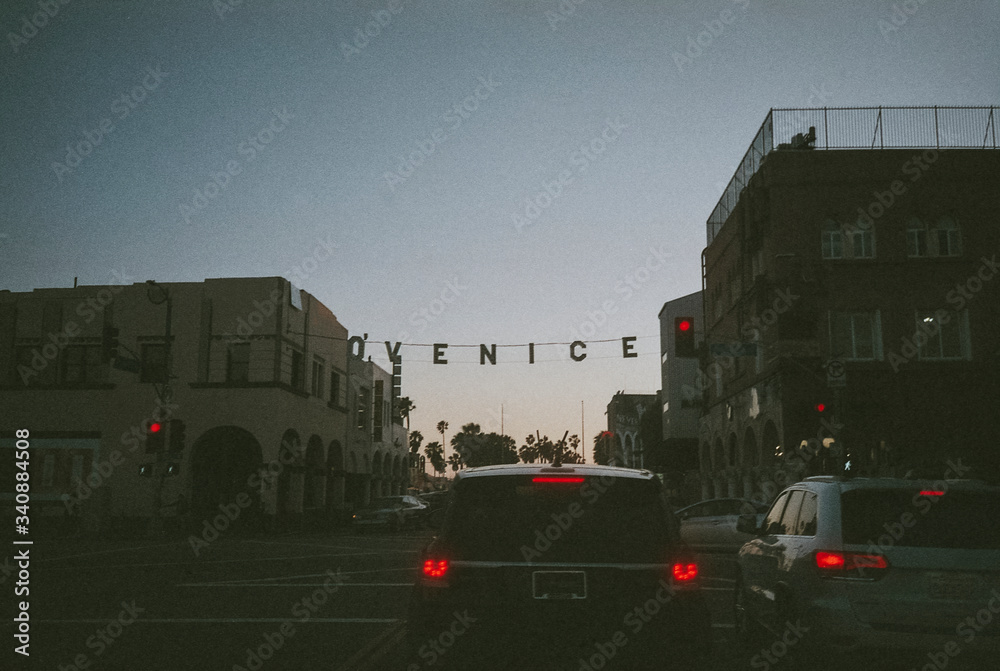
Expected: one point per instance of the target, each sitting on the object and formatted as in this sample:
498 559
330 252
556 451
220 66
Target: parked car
436 499
393 512
905 567
561 566
710 526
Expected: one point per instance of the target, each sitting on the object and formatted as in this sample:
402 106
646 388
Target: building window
916 238
379 400
154 363
238 362
82 363
862 243
318 375
856 335
948 237
298 369
848 241
364 400
947 335
338 390
833 242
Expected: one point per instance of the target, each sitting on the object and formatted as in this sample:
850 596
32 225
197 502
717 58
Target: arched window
948 237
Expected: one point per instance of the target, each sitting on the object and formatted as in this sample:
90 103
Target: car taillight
684 572
560 480
852 565
435 568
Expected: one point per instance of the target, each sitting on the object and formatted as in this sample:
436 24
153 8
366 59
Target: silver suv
558 567
868 564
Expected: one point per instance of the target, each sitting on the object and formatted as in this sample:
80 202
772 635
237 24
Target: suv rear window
954 519
601 519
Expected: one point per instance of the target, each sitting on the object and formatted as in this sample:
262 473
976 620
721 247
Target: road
321 601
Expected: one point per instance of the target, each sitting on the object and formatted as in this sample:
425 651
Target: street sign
836 374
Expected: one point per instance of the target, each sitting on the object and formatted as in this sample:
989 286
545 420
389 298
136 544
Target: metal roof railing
857 128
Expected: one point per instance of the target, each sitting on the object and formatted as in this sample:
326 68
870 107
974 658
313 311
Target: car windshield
513 518
922 518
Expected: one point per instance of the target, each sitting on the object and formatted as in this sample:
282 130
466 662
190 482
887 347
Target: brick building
856 250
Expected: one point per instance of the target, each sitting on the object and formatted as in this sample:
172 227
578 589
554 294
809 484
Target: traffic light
155 436
109 343
684 337
178 435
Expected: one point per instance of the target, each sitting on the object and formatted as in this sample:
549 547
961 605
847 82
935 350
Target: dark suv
549 567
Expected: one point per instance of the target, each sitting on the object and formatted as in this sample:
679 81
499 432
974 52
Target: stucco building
260 393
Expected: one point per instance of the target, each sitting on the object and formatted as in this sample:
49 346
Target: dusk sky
491 172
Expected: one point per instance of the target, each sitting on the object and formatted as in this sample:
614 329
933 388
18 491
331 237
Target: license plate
559 584
953 587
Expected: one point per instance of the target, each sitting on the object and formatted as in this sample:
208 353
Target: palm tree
404 406
442 427
455 461
435 455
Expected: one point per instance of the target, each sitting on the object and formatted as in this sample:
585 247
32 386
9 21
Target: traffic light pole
160 470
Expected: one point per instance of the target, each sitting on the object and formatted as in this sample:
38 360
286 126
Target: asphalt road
295 602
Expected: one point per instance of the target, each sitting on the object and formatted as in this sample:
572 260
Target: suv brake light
549 479
851 565
435 568
684 572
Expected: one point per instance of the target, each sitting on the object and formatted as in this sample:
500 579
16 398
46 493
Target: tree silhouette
442 427
435 454
404 406
415 439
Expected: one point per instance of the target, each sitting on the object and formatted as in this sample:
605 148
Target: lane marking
297 584
246 581
395 633
203 562
101 552
234 620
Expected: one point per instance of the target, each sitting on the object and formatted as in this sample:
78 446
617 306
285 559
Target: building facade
865 280
258 399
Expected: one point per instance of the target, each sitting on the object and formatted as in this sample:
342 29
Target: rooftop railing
857 128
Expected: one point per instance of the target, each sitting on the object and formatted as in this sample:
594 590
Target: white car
909 568
710 526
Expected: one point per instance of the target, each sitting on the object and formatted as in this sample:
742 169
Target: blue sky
416 149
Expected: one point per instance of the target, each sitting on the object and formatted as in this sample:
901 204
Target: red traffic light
820 407
155 427
684 325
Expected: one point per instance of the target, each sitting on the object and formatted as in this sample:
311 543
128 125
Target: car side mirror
747 524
